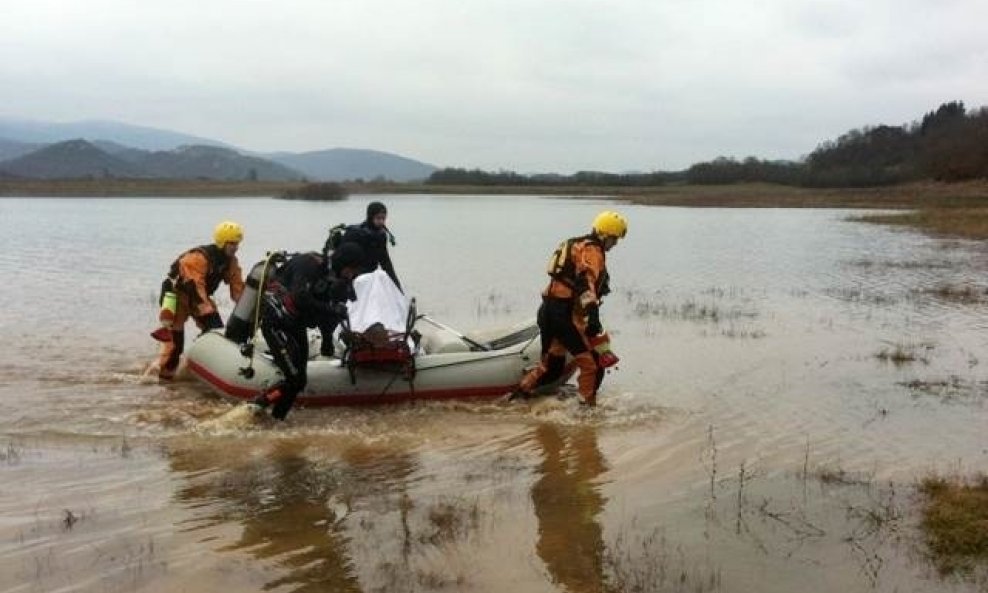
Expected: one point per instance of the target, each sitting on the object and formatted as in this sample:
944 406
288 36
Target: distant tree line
948 144
454 176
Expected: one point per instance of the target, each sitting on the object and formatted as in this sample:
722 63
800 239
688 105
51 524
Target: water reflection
291 502
567 502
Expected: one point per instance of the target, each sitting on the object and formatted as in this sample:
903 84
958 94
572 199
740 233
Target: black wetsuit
305 293
374 242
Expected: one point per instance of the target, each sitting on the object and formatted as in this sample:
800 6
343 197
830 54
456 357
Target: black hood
373 209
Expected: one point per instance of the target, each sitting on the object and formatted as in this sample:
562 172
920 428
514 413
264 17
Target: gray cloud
521 84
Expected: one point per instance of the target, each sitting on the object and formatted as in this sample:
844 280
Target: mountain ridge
128 142
341 164
79 158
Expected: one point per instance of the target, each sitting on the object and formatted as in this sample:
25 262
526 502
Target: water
754 436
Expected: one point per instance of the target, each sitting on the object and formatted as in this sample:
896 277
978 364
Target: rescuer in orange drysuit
191 281
569 317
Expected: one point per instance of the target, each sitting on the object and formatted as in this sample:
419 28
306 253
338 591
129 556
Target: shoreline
741 195
948 209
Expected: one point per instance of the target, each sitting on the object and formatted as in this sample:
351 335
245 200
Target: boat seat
440 342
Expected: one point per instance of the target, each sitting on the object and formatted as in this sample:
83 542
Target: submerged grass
955 521
859 295
11 453
835 475
902 354
969 223
950 389
964 294
650 564
450 520
711 308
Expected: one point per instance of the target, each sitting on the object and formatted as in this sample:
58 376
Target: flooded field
787 377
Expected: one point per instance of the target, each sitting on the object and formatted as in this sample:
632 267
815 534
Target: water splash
238 419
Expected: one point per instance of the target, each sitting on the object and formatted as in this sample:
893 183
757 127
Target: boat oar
445 327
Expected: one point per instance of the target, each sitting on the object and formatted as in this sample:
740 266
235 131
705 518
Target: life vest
562 268
218 265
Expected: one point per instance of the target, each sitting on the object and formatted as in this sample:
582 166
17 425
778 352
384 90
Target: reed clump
902 354
955 521
961 294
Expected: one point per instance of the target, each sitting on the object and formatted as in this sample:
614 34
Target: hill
208 162
342 164
79 158
132 143
70 159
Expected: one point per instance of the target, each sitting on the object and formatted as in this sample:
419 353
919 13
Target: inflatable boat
420 358
443 364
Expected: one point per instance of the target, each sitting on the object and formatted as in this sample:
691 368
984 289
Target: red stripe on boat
355 399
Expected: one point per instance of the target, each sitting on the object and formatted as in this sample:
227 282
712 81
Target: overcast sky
528 85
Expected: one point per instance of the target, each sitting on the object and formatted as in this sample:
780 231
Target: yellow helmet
610 224
227 232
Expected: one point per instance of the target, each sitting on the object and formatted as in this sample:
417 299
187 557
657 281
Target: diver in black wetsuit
310 290
373 237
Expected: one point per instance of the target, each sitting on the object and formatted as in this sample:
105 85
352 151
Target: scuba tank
241 325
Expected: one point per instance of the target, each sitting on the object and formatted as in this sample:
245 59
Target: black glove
210 321
593 321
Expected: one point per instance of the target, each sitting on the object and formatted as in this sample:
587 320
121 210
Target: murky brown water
786 376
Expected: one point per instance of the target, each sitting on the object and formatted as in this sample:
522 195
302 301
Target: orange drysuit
194 277
579 279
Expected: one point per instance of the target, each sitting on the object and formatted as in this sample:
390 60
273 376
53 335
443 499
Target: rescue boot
266 398
281 406
519 394
588 401
162 334
587 381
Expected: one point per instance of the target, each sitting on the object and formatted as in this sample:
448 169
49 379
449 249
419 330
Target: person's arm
193 267
591 266
235 278
388 267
